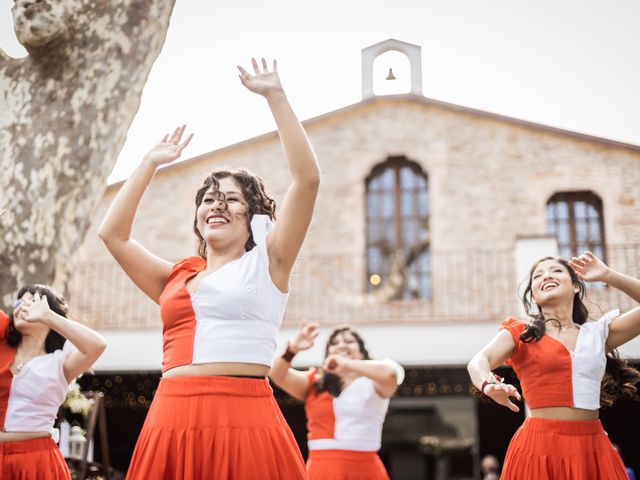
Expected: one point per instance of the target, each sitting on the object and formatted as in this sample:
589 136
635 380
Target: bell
390 76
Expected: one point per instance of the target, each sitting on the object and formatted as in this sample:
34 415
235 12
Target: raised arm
481 365
285 241
290 380
385 375
145 269
88 343
626 326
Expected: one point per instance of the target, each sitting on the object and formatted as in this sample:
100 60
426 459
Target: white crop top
37 392
351 421
234 315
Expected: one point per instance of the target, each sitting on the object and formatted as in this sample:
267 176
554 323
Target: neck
32 345
562 313
223 254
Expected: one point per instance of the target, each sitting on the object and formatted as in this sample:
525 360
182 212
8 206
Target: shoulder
312 377
189 264
513 325
4 325
601 326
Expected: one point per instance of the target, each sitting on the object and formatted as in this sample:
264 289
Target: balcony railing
466 285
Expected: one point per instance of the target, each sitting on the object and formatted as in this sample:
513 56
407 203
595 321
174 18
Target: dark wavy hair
620 380
57 303
259 203
329 382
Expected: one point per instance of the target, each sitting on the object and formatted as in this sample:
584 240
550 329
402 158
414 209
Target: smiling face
222 215
346 344
552 284
38 22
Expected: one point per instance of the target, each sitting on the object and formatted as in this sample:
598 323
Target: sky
572 64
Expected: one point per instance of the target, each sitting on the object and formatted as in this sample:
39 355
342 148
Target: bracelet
288 354
495 380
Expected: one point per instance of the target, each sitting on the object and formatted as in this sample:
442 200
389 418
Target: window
397 204
575 218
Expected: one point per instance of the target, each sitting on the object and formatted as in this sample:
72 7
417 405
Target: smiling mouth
549 286
217 220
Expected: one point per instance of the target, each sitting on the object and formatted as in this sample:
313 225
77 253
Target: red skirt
37 459
345 465
215 427
544 449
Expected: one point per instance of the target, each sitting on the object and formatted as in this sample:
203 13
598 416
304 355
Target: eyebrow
228 192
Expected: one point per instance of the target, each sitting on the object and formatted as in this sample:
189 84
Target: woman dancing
36 367
214 415
560 359
345 402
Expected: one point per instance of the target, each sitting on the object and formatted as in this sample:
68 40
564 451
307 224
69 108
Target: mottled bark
64 113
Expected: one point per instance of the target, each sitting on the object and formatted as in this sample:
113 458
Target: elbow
312 181
103 233
99 348
471 365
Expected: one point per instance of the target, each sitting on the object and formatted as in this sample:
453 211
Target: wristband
288 354
495 380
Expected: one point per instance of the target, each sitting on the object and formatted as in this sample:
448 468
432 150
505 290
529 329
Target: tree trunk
64 113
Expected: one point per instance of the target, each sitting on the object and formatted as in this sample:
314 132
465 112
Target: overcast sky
573 64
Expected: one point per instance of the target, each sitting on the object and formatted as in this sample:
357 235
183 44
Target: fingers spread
184 144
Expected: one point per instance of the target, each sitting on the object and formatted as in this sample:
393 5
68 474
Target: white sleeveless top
351 421
37 392
234 315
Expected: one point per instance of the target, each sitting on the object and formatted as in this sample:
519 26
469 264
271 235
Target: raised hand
263 82
589 267
502 393
305 338
169 149
35 309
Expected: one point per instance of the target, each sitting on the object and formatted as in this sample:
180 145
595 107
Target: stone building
428 218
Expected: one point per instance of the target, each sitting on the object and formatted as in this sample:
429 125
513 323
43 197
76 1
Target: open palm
306 336
263 82
169 148
501 393
36 309
589 267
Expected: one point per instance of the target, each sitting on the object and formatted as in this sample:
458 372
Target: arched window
575 218
398 228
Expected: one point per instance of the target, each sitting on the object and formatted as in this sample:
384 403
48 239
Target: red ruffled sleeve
515 327
312 376
4 325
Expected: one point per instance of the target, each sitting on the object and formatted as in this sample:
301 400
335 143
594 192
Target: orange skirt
37 459
544 449
345 465
215 427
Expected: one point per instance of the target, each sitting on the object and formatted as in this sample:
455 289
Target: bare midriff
565 413
206 369
21 436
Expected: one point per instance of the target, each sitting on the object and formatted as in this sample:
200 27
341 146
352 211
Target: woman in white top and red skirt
566 370
214 414
36 366
345 402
